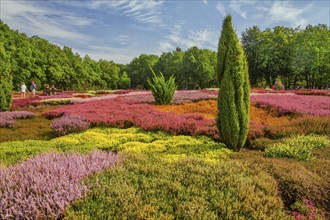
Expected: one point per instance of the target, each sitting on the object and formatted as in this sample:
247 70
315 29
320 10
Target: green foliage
297 57
171 148
299 147
162 90
234 90
145 187
138 70
6 84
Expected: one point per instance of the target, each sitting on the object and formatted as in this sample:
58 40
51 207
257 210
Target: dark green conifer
234 89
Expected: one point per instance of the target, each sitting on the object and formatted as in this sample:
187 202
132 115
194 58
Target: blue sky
120 30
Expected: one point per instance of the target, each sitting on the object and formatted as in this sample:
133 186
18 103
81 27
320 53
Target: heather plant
161 89
7 118
306 210
120 112
58 101
19 103
299 147
69 123
114 139
147 187
234 89
283 104
43 186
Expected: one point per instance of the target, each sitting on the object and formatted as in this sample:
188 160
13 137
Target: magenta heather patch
43 186
17 103
69 123
296 104
120 112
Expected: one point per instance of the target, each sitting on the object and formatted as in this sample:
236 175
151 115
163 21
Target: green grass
147 187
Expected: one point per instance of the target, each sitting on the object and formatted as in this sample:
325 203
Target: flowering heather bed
7 118
297 92
17 103
69 123
122 113
296 104
43 186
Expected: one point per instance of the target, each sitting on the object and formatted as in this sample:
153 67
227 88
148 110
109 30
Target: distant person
46 90
53 89
23 90
33 88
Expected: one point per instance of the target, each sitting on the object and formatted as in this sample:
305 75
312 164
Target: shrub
69 124
7 118
306 210
284 104
43 186
58 101
234 89
149 188
298 147
161 89
114 139
6 79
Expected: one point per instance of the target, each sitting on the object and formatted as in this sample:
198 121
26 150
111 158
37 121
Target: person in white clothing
23 90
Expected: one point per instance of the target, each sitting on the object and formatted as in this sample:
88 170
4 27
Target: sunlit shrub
114 139
58 101
150 188
43 186
298 147
162 89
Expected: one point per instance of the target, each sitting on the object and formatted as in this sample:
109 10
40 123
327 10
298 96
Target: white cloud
221 8
44 22
178 37
284 11
146 11
205 2
236 6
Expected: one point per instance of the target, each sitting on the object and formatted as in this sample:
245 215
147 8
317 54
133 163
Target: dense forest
295 57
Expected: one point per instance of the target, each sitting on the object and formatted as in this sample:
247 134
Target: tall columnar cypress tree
234 89
6 84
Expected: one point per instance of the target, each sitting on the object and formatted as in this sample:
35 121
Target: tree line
295 57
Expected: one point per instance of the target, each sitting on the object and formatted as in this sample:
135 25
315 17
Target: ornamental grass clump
299 147
161 89
69 124
43 186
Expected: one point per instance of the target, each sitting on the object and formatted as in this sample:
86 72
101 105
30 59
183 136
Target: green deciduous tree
6 84
234 89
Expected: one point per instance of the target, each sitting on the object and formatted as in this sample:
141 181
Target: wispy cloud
179 37
36 20
146 11
236 6
284 11
205 2
221 8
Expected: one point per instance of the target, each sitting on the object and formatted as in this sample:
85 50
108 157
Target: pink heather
43 186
